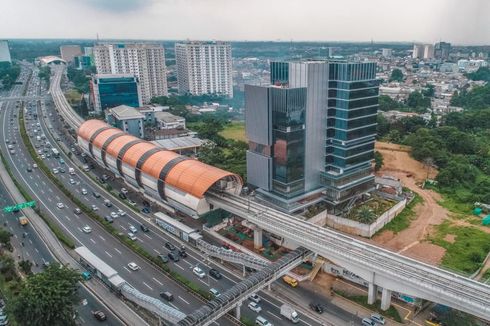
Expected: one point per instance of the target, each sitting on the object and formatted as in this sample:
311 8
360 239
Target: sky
456 21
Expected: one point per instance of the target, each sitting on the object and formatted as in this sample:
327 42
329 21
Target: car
215 273
254 307
173 256
7 141
163 258
121 212
77 211
72 181
99 315
108 219
122 196
96 194
146 210
144 228
114 215
254 297
198 272
132 203
87 229
105 177
84 191
368 322
62 170
378 319
316 307
107 202
95 208
29 169
132 228
169 246
133 266
214 292
55 171
182 253
42 156
131 236
34 165
124 191
62 161
167 295
60 205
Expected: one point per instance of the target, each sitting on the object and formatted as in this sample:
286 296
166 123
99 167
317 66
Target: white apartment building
146 61
5 51
204 68
423 51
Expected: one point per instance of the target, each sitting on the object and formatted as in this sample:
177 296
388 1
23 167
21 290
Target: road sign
18 207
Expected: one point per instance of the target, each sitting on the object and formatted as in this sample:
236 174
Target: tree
365 215
48 298
396 75
26 266
418 101
429 91
483 73
5 237
378 161
386 103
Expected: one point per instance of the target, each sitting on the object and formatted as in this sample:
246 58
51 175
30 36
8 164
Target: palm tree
365 215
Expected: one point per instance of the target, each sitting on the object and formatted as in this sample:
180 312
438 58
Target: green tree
5 237
365 215
44 73
378 161
429 90
396 75
26 266
418 101
48 298
483 73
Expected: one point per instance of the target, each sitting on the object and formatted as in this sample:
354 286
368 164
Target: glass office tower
111 90
331 159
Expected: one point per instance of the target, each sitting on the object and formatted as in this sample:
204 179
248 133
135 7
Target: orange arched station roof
188 175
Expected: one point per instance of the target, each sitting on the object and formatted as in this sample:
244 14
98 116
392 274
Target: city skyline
150 19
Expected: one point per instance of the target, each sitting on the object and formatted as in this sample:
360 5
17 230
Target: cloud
119 5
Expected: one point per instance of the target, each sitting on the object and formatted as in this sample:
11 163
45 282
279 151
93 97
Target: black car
316 307
144 228
169 246
122 196
146 210
215 273
173 256
182 253
96 194
163 258
29 169
77 211
99 315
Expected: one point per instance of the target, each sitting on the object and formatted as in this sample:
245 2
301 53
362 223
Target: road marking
157 251
101 237
42 191
27 253
147 236
154 279
118 251
203 282
182 268
15 235
274 315
108 254
148 286
122 227
44 183
49 199
79 229
30 177
36 250
36 183
92 240
183 299
58 198
170 303
30 241
139 238
185 261
69 219
50 190
305 322
126 269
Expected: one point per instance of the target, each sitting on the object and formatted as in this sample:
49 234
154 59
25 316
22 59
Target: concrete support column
257 238
372 292
237 311
385 299
244 271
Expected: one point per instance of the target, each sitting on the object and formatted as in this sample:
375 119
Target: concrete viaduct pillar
237 311
385 299
257 238
372 292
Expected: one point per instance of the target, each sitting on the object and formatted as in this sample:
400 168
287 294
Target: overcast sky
456 21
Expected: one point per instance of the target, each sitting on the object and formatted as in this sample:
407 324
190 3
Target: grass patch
407 215
362 300
469 250
234 130
486 275
247 321
456 202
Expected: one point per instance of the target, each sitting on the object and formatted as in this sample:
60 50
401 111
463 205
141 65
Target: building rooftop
124 112
178 143
167 117
101 76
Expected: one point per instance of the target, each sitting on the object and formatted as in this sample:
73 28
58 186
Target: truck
289 312
56 153
23 220
291 281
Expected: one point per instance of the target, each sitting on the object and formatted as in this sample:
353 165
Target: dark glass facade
279 73
118 91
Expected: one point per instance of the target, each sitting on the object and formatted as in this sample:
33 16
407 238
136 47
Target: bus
177 228
55 152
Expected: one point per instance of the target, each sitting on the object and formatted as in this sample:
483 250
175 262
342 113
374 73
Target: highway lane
29 246
158 238
149 280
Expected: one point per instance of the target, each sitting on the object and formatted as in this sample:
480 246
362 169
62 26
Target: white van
71 171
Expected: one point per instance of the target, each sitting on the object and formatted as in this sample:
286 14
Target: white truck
289 312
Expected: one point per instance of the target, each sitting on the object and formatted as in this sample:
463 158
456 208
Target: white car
121 212
133 266
114 215
87 229
254 297
72 182
34 165
198 272
43 156
55 171
255 307
84 191
60 205
95 208
131 236
132 228
378 319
